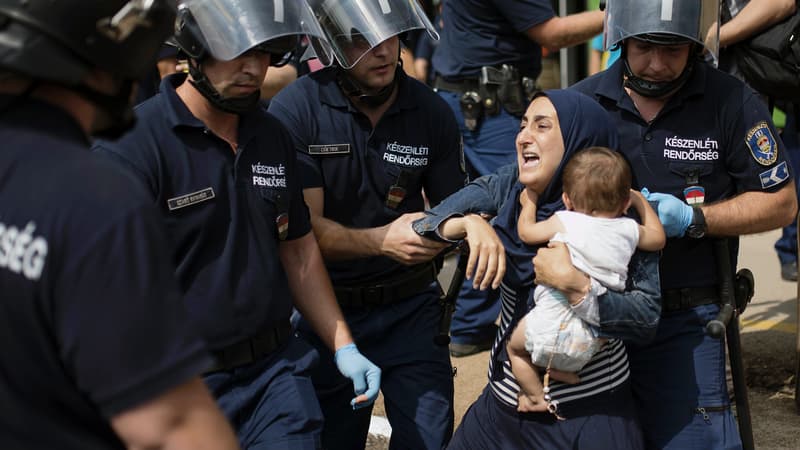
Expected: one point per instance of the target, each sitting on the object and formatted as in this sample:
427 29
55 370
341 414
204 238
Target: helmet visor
354 27
232 27
694 20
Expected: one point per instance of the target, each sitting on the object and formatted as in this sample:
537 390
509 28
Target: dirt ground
770 349
770 379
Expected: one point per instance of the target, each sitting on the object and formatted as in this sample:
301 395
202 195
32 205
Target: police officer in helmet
706 143
97 350
369 139
222 172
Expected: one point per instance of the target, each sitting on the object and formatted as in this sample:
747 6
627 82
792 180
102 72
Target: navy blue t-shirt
226 212
479 33
91 320
713 139
417 141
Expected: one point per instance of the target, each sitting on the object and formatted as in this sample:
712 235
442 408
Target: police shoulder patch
762 144
774 176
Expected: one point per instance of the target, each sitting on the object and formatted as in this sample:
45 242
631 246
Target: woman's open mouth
530 159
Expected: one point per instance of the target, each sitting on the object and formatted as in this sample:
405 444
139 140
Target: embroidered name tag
190 199
329 149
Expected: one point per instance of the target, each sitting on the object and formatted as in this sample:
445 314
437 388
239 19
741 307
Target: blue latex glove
674 214
366 376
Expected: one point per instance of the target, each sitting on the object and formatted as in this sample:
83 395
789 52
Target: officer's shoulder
302 96
588 84
428 100
308 84
270 124
728 89
89 187
719 80
150 124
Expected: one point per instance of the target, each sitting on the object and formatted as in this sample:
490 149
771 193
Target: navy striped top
605 371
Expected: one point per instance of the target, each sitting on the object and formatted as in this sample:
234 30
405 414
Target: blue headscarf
584 123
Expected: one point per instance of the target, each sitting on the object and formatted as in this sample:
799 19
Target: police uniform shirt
712 140
415 145
479 33
91 320
226 212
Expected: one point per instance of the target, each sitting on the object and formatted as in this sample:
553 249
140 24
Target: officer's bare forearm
340 243
337 242
561 32
312 290
755 16
752 212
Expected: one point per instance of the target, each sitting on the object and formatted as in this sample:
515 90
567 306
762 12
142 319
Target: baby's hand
528 198
531 403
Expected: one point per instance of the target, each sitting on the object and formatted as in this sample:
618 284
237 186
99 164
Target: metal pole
563 56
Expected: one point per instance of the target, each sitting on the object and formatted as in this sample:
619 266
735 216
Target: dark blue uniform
226 213
479 33
91 320
415 145
714 139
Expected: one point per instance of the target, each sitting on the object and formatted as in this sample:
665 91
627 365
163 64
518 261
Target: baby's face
540 146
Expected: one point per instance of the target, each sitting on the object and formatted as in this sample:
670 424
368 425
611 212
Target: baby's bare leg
531 396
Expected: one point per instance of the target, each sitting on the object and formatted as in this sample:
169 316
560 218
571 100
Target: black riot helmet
662 22
226 29
354 27
61 41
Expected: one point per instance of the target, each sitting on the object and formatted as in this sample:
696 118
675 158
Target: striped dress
605 371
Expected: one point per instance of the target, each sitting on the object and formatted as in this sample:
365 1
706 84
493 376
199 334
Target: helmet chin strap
233 105
656 89
354 89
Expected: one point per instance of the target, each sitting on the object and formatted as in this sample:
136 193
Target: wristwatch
697 228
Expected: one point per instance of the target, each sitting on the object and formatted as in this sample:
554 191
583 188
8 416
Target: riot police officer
369 140
222 172
707 139
97 350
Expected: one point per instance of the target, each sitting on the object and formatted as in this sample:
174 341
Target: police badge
762 144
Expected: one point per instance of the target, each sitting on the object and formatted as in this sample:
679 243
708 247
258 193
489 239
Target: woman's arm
483 196
486 264
631 315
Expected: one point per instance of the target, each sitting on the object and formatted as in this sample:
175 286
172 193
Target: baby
596 193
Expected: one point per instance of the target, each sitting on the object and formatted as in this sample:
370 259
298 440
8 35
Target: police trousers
416 379
679 385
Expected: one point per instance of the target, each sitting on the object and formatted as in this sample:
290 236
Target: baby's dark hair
598 179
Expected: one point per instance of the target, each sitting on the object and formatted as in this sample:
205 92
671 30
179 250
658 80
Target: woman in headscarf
598 411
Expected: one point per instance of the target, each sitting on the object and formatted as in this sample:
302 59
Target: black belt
252 349
387 291
687 298
459 86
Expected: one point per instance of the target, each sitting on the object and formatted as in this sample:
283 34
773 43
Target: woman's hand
487 256
553 267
